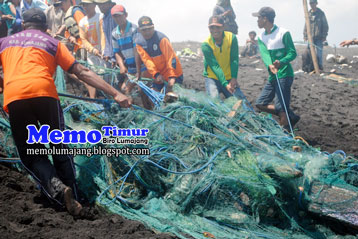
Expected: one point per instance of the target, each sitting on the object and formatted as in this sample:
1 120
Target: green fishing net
216 168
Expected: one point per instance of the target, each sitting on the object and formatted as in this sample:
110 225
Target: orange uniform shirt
29 59
158 56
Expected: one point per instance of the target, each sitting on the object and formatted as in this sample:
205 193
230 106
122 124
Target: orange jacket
158 56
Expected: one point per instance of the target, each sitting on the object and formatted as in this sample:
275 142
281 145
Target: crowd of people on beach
38 35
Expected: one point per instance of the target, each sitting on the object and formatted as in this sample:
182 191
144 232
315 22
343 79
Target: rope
105 102
158 166
6 125
10 160
3 112
239 94
190 172
284 105
154 96
341 152
302 139
187 125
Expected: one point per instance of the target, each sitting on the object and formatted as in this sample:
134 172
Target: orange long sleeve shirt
158 56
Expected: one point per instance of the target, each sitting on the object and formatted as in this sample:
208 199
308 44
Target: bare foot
72 206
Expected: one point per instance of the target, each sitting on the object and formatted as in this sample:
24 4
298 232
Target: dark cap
313 1
145 22
216 21
35 15
265 12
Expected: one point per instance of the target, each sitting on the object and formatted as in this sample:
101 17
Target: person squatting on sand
221 59
319 30
156 52
251 48
277 51
123 45
29 60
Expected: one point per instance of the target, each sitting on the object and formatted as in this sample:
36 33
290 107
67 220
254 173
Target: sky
185 20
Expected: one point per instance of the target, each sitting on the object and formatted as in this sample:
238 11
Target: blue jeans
271 90
214 88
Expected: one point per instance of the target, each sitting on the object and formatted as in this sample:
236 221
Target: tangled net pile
208 174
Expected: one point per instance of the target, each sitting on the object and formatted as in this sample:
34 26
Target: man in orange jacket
158 56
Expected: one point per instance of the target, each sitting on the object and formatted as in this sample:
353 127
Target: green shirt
278 45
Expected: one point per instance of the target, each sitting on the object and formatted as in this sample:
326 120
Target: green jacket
278 45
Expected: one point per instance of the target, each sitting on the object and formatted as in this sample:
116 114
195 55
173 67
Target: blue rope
170 156
156 97
6 117
270 136
284 105
189 172
340 152
124 178
161 116
105 102
239 94
6 125
186 125
9 160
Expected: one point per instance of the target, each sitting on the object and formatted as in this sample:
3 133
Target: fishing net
7 146
341 79
215 169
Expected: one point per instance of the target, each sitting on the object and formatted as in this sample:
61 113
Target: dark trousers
272 90
40 111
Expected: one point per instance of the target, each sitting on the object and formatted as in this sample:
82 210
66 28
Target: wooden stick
310 40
